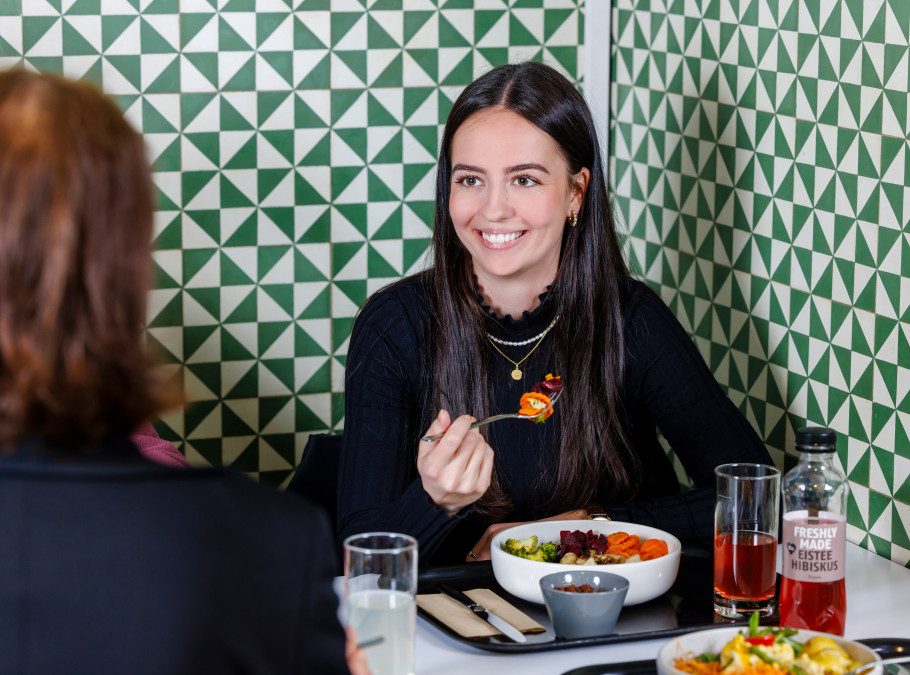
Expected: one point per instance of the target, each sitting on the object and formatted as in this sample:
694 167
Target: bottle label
814 549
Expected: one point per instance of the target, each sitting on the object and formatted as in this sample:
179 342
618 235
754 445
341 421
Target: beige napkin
464 622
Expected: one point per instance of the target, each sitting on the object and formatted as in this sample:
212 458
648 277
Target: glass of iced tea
745 539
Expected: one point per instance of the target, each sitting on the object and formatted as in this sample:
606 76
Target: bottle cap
816 439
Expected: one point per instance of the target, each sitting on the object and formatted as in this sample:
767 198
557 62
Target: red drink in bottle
813 593
745 565
821 607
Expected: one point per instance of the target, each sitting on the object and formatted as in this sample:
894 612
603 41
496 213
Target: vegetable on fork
538 399
537 407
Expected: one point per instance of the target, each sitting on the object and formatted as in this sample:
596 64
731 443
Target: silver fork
505 416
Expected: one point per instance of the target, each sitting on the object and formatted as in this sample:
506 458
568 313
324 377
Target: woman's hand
456 469
481 549
356 658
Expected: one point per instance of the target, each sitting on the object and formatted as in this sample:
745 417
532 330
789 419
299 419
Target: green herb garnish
753 624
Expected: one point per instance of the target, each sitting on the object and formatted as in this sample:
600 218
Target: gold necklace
516 374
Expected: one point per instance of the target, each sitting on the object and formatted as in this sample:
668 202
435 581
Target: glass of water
380 584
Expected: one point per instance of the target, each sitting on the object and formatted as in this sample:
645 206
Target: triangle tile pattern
760 164
294 145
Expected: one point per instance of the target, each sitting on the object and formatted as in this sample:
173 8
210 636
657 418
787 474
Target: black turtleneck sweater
667 387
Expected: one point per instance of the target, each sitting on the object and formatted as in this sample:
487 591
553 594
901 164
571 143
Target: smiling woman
511 191
527 279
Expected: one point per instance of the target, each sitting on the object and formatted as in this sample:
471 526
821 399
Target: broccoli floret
548 551
528 548
528 544
543 553
519 546
510 546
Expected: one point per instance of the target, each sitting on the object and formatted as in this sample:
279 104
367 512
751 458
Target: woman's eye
525 181
467 181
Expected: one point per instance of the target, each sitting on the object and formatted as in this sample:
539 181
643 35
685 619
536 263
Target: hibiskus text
814 552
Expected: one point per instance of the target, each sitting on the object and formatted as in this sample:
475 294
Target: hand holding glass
745 539
380 584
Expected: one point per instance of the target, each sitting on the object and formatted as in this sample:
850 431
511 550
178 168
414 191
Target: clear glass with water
380 574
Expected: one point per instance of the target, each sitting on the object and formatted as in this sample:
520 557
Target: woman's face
510 197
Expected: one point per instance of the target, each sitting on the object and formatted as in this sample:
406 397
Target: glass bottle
813 594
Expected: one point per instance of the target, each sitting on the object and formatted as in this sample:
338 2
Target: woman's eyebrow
511 169
525 167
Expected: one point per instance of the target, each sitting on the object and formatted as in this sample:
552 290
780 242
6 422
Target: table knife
501 625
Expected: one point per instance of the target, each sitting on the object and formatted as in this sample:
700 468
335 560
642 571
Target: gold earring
573 218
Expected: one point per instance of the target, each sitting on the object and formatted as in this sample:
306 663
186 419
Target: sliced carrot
653 548
617 538
626 547
694 667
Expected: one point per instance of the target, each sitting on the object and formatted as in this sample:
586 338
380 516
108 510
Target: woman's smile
500 240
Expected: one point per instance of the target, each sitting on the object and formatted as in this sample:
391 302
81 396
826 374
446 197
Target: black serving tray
687 607
886 648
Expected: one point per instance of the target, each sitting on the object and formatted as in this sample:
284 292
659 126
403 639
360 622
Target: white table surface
878 605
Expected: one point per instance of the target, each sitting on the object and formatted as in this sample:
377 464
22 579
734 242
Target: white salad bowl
714 639
647 578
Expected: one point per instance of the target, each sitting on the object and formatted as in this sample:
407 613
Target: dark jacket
112 564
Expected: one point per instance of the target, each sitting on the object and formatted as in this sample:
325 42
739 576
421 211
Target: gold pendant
516 374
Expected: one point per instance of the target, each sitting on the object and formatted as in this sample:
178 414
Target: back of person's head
76 208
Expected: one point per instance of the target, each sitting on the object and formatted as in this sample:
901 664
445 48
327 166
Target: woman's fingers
470 444
433 458
477 549
452 469
439 426
479 467
453 434
486 469
482 547
356 658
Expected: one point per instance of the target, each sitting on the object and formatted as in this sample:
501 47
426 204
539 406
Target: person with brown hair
110 562
527 279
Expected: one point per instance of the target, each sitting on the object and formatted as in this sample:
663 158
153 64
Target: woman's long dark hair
588 347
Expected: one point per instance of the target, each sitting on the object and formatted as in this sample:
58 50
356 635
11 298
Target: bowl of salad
763 650
646 556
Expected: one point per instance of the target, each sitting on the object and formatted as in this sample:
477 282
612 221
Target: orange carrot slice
653 548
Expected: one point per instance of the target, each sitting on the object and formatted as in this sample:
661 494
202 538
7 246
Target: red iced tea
745 565
817 606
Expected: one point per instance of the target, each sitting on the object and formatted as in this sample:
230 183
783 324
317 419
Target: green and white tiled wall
294 144
763 171
759 150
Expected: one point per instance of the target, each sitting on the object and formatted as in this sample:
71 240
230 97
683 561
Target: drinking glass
380 584
745 539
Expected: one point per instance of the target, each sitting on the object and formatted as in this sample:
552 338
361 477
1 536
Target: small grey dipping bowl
581 615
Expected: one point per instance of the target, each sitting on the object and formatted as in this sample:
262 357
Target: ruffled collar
528 324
